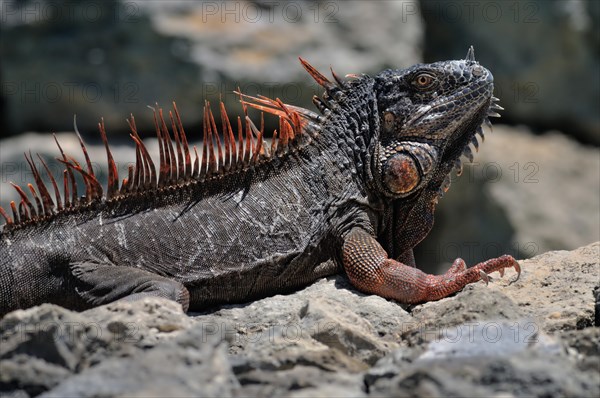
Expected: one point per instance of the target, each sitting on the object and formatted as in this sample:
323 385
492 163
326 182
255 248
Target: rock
472 307
533 169
528 373
490 339
23 374
275 34
80 70
188 365
534 50
151 320
554 292
583 347
301 381
42 345
112 59
325 325
556 289
597 296
534 336
49 333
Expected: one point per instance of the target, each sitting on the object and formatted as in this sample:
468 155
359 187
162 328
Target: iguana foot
370 270
459 270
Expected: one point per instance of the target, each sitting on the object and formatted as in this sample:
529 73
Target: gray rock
114 58
322 324
597 296
529 373
42 345
188 365
47 332
583 347
556 288
150 321
555 291
490 339
531 337
342 329
475 306
300 381
29 376
352 34
541 178
91 59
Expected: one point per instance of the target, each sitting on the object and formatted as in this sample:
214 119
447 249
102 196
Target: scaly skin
353 190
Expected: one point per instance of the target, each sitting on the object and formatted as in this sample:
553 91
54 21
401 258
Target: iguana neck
351 128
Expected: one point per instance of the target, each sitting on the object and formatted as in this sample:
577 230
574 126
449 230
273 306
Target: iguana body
353 189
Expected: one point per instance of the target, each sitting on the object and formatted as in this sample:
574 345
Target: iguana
350 188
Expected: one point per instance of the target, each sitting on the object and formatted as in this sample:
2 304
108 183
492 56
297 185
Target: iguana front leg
367 265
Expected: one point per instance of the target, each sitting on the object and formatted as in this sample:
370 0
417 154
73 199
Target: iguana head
429 114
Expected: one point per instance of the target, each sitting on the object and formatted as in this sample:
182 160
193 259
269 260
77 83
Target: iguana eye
423 81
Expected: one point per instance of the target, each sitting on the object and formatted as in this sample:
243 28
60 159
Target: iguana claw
498 264
484 277
518 269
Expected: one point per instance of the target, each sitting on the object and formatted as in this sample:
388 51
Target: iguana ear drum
401 173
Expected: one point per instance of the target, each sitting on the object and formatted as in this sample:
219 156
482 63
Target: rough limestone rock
534 337
188 365
114 58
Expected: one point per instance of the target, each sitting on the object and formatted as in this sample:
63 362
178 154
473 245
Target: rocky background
534 187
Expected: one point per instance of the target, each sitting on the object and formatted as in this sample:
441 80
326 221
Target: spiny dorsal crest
297 127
